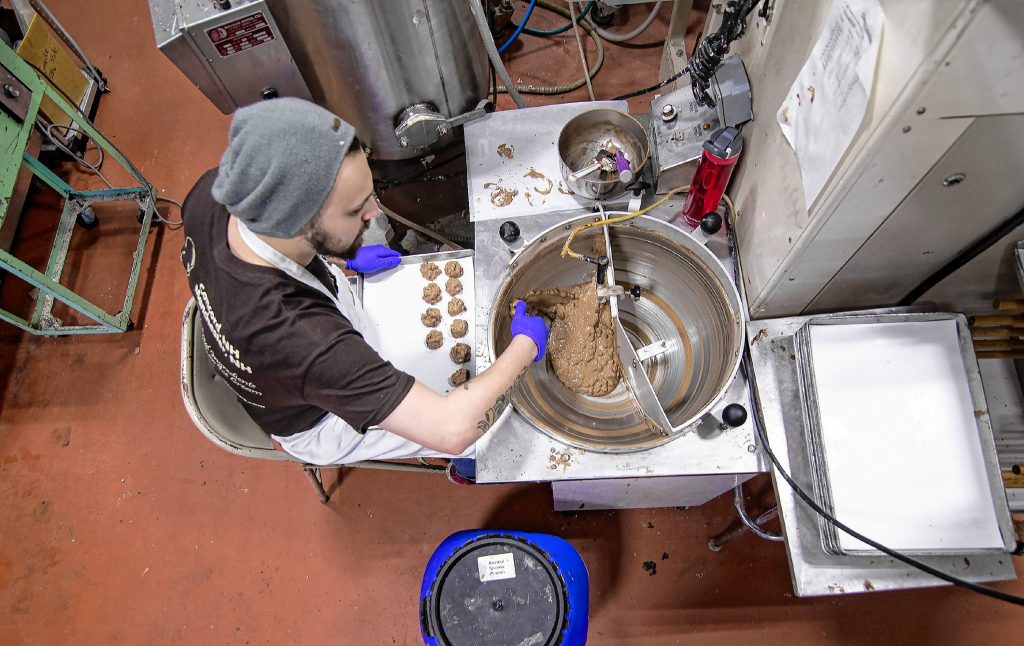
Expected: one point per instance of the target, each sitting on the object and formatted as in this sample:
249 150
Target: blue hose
519 29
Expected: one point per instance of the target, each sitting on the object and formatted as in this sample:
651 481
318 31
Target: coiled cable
709 53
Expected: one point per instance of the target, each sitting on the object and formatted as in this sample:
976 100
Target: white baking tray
393 301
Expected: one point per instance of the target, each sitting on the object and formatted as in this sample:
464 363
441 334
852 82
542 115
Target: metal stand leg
748 524
316 479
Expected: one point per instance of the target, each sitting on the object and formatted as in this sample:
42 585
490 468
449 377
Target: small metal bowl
588 133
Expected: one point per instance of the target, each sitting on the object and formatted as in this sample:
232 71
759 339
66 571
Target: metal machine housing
235 56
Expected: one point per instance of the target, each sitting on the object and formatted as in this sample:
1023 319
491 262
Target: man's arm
451 423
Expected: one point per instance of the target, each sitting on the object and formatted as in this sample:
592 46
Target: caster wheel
602 17
87 218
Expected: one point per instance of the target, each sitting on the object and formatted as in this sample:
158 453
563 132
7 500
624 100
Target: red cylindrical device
721 152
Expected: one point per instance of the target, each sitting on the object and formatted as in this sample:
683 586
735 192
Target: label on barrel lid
496 567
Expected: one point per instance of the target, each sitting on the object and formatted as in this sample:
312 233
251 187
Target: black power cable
494 87
763 439
969 254
78 109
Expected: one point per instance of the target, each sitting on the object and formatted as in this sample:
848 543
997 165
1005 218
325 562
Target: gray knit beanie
282 159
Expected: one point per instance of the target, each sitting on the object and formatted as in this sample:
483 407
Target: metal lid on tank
496 591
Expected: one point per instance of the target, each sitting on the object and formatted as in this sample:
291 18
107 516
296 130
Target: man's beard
324 245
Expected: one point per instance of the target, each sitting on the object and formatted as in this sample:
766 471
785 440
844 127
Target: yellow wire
566 251
732 208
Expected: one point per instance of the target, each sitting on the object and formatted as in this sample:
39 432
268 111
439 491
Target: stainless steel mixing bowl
687 298
586 134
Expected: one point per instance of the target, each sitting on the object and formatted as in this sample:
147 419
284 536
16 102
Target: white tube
579 44
621 38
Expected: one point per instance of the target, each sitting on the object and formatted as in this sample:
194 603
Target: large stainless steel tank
371 60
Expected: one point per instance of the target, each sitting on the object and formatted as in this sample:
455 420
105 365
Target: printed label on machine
240 35
496 567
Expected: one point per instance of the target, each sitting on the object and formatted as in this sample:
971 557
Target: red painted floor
122 524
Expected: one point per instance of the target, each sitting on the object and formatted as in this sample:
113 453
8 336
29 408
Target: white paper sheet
904 456
394 301
826 104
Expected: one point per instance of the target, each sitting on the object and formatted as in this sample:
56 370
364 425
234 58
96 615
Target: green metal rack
21 92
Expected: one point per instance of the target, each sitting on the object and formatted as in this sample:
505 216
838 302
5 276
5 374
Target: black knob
270 93
711 223
634 291
734 415
223 4
509 231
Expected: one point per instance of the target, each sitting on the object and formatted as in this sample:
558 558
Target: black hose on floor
966 256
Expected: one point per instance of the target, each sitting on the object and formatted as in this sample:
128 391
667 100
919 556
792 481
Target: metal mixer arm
640 389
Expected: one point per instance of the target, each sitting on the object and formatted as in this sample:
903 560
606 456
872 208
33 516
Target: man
283 327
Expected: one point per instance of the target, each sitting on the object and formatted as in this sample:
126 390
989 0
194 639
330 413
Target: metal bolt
498 605
403 142
680 53
11 91
954 179
668 112
751 448
442 129
921 110
906 129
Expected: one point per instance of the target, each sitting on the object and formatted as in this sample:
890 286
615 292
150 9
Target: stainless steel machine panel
687 302
235 56
369 61
680 126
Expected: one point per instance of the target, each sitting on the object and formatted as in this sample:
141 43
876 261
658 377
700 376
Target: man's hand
374 258
533 327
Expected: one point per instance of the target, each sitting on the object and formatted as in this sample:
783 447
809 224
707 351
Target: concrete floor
122 524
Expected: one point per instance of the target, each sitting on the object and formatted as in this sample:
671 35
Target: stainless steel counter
516 451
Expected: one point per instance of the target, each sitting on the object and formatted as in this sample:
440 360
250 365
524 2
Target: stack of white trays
897 447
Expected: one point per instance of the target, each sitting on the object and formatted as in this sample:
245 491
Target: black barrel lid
477 600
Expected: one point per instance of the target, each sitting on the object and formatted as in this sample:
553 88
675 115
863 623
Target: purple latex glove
374 258
530 326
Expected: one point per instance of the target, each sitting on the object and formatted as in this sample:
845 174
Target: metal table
687 471
815 572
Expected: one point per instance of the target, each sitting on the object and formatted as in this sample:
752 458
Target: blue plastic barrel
499 587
